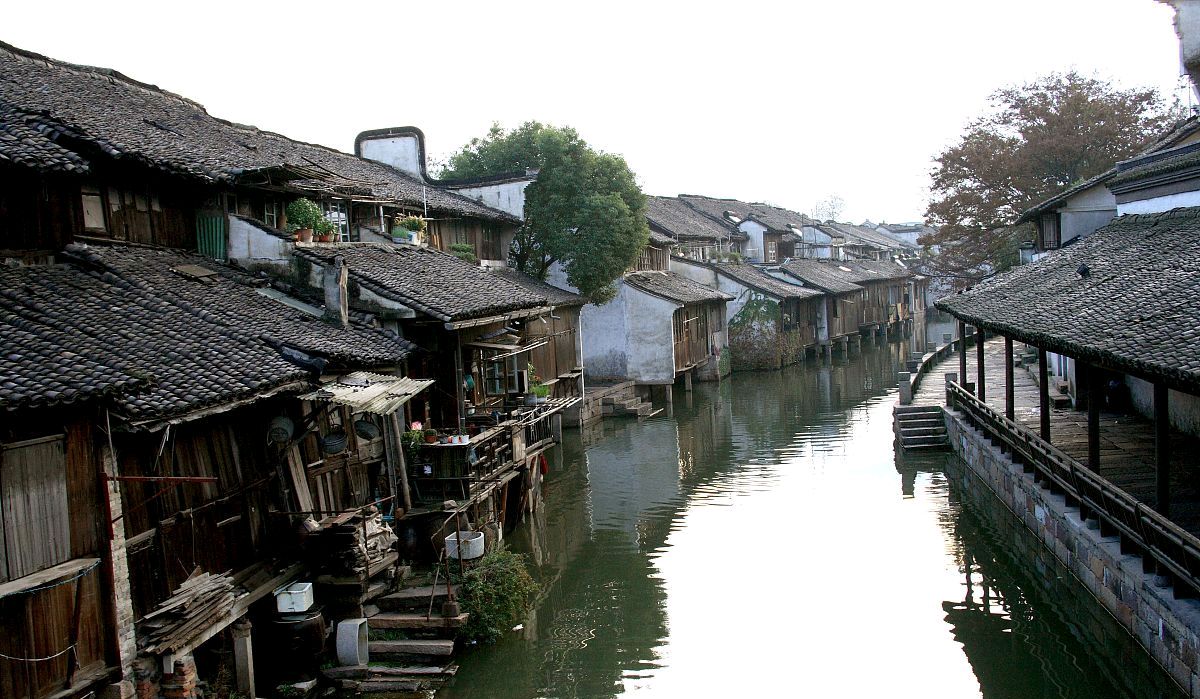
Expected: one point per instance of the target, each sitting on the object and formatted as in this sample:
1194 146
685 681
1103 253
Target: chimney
337 309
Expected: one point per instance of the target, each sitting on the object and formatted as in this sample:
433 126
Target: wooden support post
399 465
1010 409
687 380
962 351
1044 394
1093 407
1162 448
980 382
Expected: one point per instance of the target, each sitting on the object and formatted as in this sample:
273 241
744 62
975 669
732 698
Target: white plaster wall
605 353
752 248
651 341
1157 204
1077 224
508 197
254 248
1184 407
817 243
401 152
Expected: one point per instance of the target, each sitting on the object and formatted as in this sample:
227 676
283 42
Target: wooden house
772 322
839 318
771 234
693 235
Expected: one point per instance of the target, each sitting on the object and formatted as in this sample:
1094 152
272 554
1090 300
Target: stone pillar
687 381
145 677
243 657
333 282
122 596
951 377
556 426
906 396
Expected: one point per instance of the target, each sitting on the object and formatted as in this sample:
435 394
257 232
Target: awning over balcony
365 392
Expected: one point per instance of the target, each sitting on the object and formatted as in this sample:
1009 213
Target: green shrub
464 252
412 223
496 592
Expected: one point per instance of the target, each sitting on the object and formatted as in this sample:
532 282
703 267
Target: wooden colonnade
1093 390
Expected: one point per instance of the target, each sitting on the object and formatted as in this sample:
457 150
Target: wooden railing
1143 531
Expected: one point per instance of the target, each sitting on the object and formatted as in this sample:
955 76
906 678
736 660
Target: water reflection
757 543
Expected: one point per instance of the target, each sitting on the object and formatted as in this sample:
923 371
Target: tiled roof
830 276
773 217
755 278
427 280
673 287
229 298
1134 310
28 141
105 111
870 236
37 370
1161 164
868 271
553 294
682 222
122 312
661 240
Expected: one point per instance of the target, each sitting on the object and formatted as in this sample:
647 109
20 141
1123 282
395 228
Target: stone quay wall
1168 628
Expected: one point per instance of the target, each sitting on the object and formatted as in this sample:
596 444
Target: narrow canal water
766 540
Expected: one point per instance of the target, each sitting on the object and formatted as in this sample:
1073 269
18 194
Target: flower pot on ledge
304 235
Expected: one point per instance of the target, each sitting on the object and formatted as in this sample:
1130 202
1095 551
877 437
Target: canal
766 540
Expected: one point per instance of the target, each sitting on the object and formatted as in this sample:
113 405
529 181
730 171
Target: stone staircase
410 647
616 406
920 427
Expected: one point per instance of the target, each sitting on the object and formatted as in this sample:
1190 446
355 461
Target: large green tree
1036 139
585 211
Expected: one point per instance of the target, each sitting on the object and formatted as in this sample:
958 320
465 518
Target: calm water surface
766 540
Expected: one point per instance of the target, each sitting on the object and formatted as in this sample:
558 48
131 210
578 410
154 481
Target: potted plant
303 216
409 229
542 392
325 230
431 436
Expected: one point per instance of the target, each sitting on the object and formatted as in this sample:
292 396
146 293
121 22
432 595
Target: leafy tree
585 211
1037 139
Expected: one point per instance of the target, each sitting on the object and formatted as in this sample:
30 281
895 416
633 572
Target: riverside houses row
200 410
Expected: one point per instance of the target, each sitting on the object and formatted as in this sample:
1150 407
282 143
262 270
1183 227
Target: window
93 209
1051 235
772 251
335 211
271 213
491 245
34 518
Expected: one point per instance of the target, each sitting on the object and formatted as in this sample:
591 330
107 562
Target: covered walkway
1126 441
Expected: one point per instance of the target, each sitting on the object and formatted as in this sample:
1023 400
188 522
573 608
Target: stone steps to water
920 427
415 620
420 647
414 598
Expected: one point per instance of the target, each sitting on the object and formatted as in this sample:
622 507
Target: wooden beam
962 353
981 379
1044 394
1162 448
1010 410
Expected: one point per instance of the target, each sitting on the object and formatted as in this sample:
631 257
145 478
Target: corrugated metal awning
365 392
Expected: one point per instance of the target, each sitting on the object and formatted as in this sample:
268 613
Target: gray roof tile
673 287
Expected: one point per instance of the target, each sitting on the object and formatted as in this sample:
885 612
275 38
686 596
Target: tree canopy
1037 139
585 211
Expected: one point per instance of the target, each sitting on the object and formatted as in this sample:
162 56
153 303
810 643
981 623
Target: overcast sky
763 101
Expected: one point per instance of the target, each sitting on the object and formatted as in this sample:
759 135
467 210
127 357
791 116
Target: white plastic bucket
472 545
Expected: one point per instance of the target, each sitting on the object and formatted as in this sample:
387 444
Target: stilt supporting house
1009 402
1043 394
1092 377
1162 447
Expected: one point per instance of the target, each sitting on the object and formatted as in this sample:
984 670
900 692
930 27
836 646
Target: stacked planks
188 612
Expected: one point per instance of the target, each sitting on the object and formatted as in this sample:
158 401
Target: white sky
762 101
